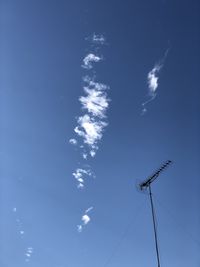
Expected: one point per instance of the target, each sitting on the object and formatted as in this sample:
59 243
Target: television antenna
147 185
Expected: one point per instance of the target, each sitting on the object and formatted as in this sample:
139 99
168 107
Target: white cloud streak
89 60
89 209
152 80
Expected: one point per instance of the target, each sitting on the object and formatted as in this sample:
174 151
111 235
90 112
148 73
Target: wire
177 223
123 235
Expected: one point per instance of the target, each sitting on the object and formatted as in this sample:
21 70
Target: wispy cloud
98 39
152 81
79 228
19 224
89 209
91 125
89 60
73 141
90 129
96 101
80 175
92 84
28 254
85 219
85 155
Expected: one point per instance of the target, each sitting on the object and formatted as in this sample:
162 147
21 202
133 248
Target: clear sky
149 51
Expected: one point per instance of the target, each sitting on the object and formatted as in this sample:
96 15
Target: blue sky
43 45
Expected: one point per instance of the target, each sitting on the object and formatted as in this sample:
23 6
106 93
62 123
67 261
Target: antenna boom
153 177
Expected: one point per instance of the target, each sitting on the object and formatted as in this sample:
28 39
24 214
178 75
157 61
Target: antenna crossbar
153 177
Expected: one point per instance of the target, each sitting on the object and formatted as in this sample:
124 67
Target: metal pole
154 225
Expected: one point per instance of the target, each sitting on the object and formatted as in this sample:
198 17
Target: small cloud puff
85 220
79 175
28 253
73 141
98 39
92 153
89 59
79 228
85 155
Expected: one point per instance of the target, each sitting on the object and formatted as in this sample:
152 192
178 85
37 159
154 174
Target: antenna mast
147 184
